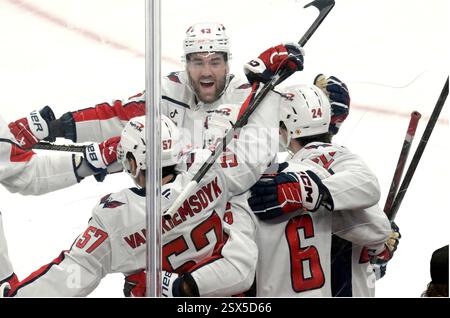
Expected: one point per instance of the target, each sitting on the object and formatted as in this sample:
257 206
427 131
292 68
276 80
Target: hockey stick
414 120
324 7
419 151
49 146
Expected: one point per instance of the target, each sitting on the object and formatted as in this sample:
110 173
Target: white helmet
219 122
305 111
133 141
206 37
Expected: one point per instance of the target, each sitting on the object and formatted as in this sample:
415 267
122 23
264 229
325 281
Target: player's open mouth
206 83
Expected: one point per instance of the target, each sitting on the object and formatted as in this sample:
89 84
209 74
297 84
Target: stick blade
320 4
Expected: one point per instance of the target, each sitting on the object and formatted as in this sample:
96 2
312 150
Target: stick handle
180 199
49 146
411 131
419 151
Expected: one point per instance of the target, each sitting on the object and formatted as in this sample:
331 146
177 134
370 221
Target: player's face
207 72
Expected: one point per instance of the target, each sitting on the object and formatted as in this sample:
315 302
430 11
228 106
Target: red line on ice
93 36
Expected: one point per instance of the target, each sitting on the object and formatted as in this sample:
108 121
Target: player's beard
199 91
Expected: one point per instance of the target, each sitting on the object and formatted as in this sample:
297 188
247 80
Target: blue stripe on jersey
341 267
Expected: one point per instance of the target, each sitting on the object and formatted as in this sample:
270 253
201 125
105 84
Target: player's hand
170 284
385 253
283 193
29 130
284 56
339 97
175 285
135 285
102 158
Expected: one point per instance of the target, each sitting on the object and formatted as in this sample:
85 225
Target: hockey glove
174 285
339 97
284 56
381 256
284 193
101 156
135 285
29 130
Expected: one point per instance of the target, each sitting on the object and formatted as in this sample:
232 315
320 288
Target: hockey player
25 172
300 203
194 239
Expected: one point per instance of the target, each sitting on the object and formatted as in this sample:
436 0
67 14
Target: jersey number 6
302 255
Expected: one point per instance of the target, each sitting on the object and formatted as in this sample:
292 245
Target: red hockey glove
339 97
101 156
29 130
283 56
135 285
288 192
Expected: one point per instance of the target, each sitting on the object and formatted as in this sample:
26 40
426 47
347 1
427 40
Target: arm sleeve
252 151
73 273
233 272
102 121
27 173
352 184
368 227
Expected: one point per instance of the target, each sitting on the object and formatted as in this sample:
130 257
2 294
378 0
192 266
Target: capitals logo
110 203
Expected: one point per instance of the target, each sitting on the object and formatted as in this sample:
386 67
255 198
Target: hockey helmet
305 111
206 37
133 141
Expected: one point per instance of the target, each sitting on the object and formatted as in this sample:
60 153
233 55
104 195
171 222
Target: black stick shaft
412 126
420 149
69 148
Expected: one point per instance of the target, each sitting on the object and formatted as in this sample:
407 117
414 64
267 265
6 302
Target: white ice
392 54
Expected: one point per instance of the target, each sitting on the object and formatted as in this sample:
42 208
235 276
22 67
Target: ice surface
393 55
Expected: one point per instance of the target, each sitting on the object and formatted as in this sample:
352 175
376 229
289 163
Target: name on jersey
193 205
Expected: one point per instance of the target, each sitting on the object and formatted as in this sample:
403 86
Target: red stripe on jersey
20 155
246 103
106 111
217 254
35 275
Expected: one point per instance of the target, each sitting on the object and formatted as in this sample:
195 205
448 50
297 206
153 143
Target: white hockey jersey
196 239
29 174
354 231
295 257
